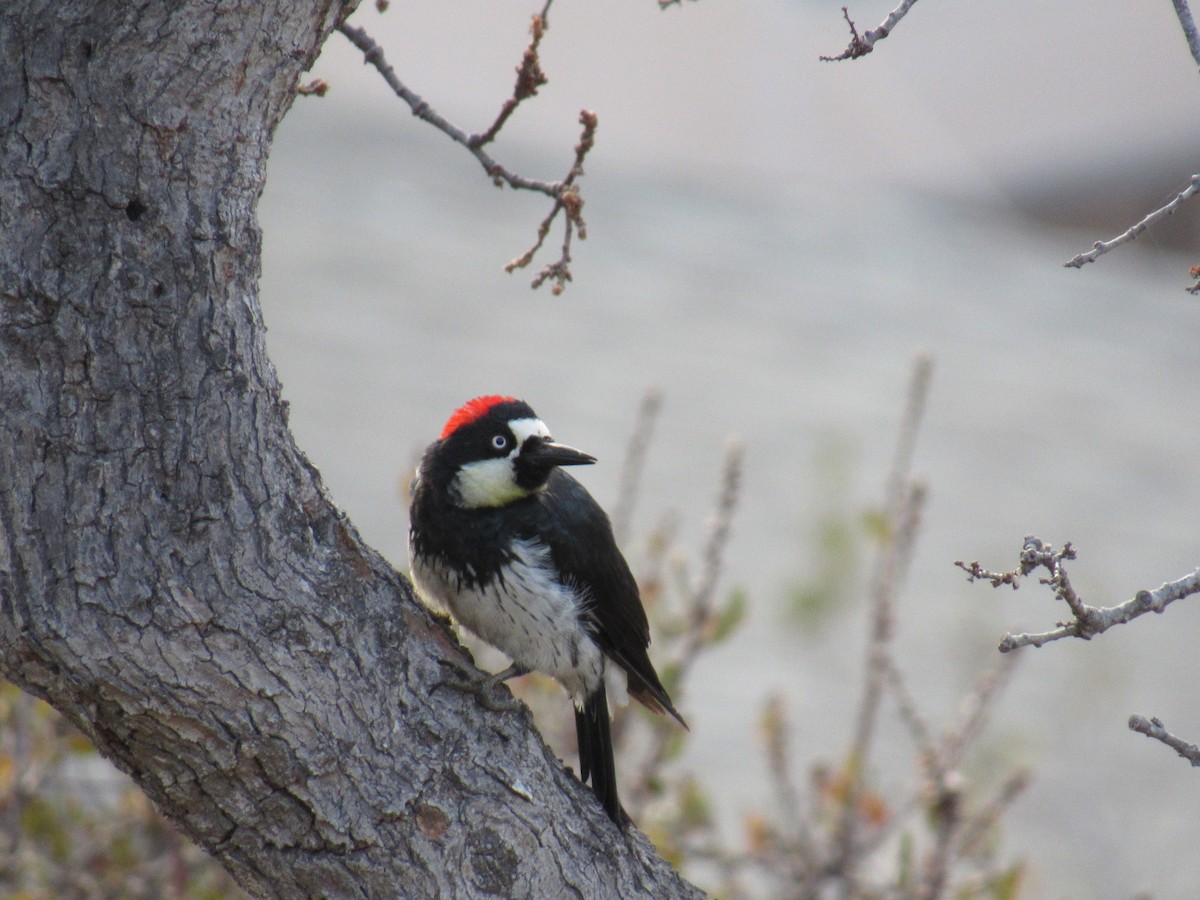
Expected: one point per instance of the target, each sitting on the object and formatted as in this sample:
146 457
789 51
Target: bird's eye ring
499 442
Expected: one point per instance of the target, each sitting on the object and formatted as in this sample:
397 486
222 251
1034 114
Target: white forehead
523 429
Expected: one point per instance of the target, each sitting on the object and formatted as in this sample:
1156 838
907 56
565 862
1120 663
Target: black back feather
585 552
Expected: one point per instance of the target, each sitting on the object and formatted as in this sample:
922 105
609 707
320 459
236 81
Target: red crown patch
472 410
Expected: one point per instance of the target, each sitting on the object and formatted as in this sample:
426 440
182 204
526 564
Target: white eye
499 442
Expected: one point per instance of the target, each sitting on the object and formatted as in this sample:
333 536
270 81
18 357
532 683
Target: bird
523 557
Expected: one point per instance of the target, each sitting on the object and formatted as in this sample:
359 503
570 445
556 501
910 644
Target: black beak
547 454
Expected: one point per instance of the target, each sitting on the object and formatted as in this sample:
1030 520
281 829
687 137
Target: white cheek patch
489 482
493 482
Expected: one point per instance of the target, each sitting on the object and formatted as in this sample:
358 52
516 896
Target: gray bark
173 576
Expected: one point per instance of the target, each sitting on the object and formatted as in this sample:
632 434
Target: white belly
527 615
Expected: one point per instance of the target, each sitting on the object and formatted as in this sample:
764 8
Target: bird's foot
481 688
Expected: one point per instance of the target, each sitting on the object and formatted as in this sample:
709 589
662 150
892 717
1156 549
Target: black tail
593 729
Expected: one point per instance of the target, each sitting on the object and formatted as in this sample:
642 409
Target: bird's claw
480 687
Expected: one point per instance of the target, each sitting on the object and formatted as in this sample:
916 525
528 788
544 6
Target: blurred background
770 241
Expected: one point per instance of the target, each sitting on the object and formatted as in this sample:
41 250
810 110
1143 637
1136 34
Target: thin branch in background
889 575
1089 621
901 516
910 716
1153 728
861 45
713 558
979 826
530 77
1101 247
939 760
777 737
702 624
975 708
910 427
630 477
1189 28
825 836
953 830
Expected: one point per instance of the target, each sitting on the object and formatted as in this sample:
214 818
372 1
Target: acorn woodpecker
522 556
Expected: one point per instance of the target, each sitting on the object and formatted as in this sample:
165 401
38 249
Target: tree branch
1153 728
373 55
1184 12
831 841
1089 621
861 45
530 77
1101 247
633 463
901 515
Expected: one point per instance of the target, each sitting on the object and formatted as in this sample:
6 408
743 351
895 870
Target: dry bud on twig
316 88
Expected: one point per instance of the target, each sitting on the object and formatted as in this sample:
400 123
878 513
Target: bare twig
630 477
939 759
530 77
777 735
700 612
1092 621
906 704
906 442
1153 728
975 708
861 45
976 572
570 202
1189 27
826 841
976 830
1101 247
373 55
701 623
901 515
1089 621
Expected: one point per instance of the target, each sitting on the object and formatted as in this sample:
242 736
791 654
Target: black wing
584 550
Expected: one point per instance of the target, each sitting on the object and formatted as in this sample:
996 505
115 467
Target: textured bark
172 575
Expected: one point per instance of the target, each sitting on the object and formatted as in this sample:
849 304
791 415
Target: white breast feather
528 615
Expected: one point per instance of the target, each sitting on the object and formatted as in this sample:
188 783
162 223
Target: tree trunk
173 576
